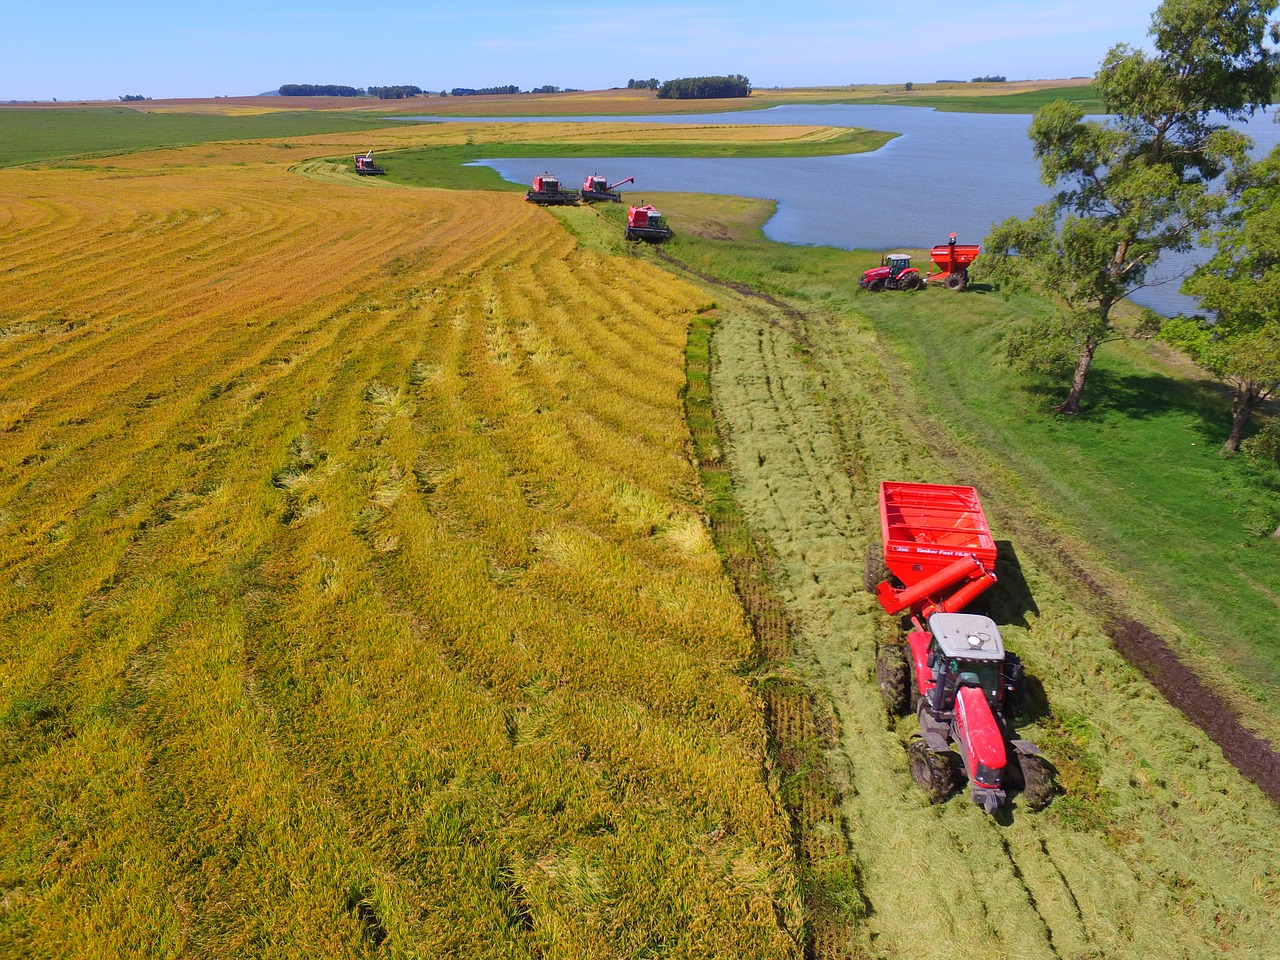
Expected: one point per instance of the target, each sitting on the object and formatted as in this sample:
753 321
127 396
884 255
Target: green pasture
30 135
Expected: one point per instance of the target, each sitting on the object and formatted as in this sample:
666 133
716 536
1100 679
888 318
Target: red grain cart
938 553
952 260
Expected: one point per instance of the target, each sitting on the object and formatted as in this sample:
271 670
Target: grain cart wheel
957 281
875 571
893 677
933 772
1038 784
876 286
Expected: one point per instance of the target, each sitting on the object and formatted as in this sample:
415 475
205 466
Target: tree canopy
705 88
1138 184
1240 287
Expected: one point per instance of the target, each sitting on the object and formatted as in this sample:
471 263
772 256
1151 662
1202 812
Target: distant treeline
651 84
402 92
705 88
317 90
994 78
512 88
133 97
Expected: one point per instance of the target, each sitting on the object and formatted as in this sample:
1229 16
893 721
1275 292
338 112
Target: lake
960 172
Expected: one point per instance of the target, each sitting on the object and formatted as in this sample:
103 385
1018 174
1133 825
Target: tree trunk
1242 405
1071 405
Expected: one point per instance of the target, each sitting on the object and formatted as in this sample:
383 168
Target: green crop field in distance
29 135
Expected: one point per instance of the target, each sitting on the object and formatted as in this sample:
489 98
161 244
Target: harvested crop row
359 595
1158 848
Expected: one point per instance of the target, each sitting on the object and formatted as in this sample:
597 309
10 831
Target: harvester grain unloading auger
938 556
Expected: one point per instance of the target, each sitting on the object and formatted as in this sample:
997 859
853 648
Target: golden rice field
357 595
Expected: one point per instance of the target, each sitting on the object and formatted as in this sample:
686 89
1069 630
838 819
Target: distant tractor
365 166
596 188
547 192
953 671
646 223
896 273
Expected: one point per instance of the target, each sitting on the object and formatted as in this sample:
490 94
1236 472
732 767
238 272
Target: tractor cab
896 262
964 651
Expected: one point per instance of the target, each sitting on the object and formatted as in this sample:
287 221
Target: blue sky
98 50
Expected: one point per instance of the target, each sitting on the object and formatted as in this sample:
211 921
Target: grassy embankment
357 593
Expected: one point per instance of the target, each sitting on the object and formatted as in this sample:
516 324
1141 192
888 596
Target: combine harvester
365 166
646 223
547 192
938 557
596 188
896 273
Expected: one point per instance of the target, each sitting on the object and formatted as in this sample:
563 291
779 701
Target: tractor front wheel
893 677
933 772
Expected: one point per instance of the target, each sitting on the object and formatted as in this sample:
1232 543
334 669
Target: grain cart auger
365 166
646 223
596 188
952 260
547 192
954 671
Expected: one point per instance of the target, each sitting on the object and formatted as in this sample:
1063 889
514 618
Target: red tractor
953 671
597 188
646 223
546 191
896 273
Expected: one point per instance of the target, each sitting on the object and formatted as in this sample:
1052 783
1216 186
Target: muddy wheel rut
800 399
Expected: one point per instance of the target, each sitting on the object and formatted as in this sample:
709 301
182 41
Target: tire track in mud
1031 887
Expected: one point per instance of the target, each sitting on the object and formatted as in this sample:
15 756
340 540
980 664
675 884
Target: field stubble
358 593
1159 847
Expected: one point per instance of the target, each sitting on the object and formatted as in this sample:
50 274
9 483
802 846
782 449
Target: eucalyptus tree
1139 183
1240 288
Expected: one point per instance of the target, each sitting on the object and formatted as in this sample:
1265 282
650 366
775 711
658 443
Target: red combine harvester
953 670
896 273
546 191
596 188
365 166
646 223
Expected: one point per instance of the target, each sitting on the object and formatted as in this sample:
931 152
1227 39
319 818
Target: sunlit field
357 593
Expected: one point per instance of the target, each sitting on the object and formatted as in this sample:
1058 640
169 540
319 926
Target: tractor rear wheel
1036 780
876 286
910 282
893 677
933 772
957 281
875 572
